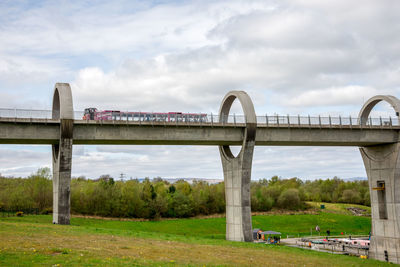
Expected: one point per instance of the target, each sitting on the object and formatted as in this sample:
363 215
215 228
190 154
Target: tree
180 205
289 199
351 196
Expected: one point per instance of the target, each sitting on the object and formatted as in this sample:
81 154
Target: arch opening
56 105
249 118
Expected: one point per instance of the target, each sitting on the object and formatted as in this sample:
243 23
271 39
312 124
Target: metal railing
201 118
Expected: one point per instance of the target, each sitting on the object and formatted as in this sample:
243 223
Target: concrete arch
250 119
62 153
371 103
237 171
62 102
63 110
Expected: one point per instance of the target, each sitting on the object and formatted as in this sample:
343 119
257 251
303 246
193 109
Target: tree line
157 198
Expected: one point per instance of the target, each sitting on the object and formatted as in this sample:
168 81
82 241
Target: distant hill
189 180
355 179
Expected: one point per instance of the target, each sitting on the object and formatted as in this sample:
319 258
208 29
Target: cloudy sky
292 57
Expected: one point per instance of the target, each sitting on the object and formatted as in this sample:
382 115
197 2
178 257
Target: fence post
351 124
319 120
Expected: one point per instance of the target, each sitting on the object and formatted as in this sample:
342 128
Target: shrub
351 196
289 199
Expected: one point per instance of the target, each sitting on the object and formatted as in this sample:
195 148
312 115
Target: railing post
370 122
309 121
277 119
298 119
351 123
390 121
340 121
330 122
266 119
212 120
319 121
234 119
288 120
380 120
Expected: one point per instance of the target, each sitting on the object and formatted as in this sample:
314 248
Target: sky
292 57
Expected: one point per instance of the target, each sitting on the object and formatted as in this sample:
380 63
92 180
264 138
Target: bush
289 199
351 196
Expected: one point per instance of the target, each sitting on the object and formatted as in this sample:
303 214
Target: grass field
339 208
34 241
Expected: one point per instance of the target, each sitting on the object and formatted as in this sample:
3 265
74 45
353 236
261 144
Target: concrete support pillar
62 153
237 171
383 170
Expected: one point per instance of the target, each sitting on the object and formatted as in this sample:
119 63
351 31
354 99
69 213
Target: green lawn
214 228
33 240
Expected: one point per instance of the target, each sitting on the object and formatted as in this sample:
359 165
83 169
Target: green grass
214 228
34 241
339 208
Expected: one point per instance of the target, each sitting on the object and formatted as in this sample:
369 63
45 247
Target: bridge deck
46 131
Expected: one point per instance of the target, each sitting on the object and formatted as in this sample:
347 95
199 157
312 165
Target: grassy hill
33 240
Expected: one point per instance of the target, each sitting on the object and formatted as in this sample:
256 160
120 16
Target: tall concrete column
237 171
383 170
62 153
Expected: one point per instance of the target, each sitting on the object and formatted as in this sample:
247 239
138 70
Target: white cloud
336 96
291 56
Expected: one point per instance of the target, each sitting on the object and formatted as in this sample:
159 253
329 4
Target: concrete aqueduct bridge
378 141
